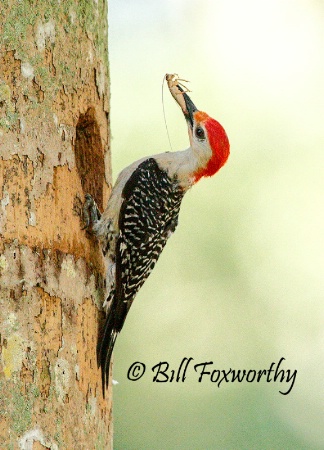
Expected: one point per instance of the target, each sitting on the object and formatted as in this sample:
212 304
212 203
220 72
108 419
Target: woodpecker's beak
190 107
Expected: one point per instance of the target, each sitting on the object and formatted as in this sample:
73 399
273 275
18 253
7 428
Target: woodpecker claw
91 213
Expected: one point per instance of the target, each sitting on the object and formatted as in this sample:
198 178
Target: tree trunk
54 147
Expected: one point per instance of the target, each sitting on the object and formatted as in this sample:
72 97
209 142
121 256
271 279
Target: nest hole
89 155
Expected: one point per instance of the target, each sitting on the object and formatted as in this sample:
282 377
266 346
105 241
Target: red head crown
218 142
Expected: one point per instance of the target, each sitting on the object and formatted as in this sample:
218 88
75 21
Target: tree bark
54 147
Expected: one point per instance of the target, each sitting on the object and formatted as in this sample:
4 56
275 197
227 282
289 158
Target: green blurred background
241 282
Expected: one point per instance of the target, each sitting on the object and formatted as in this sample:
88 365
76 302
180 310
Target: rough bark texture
54 147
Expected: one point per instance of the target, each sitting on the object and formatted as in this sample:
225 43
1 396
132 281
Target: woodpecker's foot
91 213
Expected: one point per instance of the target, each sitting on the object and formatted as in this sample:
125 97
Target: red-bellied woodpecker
143 210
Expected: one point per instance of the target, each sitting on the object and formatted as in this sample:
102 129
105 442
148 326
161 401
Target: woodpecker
143 210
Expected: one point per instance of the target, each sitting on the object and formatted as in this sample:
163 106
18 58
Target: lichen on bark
54 147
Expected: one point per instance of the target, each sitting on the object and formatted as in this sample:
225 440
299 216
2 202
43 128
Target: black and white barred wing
148 216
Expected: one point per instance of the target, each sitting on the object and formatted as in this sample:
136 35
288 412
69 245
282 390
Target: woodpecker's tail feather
105 348
114 322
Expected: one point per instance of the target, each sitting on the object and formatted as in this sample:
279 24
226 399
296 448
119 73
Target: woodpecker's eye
200 134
